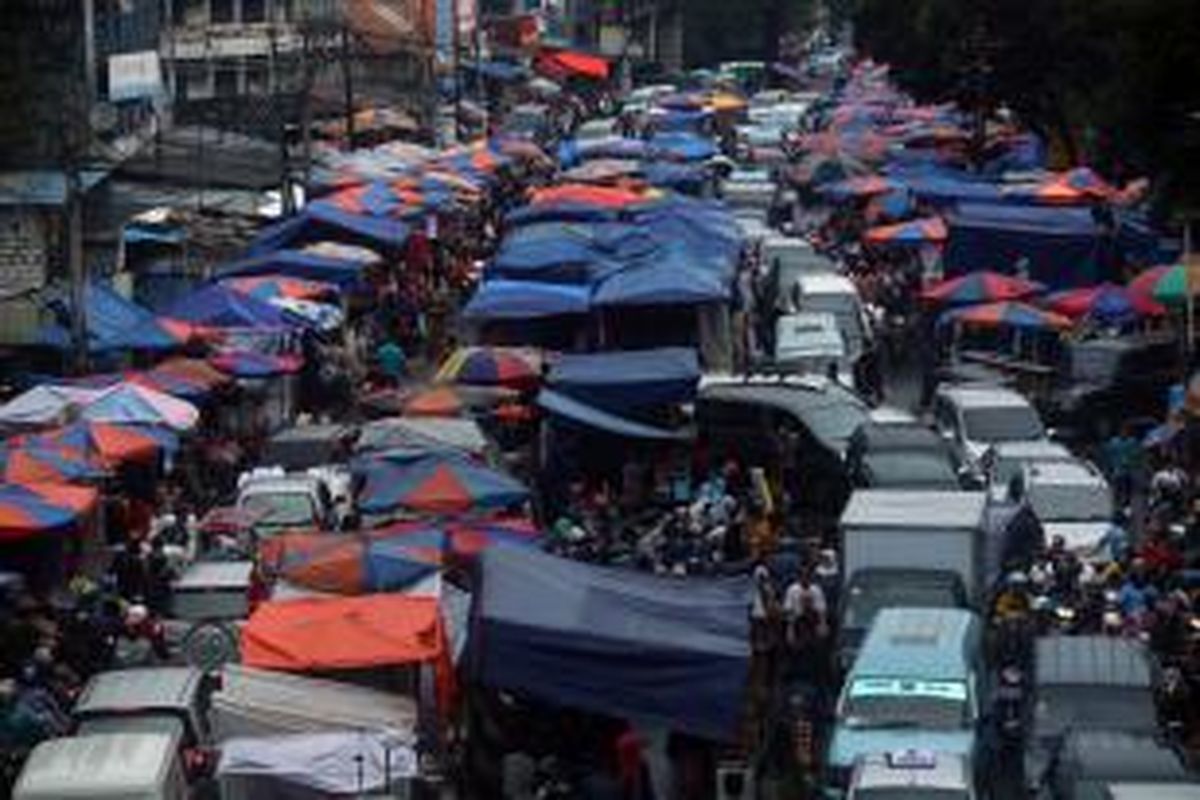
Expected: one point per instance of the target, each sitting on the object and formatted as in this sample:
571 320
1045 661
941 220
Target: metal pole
348 86
76 269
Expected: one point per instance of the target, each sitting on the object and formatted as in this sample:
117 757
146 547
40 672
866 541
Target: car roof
1151 790
803 396
215 575
984 397
1091 661
923 469
122 690
102 765
1032 449
876 771
1063 473
916 642
825 283
903 508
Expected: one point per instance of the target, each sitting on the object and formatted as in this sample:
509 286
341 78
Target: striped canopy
30 509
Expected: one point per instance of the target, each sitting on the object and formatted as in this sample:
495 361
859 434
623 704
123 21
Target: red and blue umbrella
980 287
249 364
29 509
273 287
356 564
466 540
1008 314
929 230
108 444
1074 186
1107 302
890 206
437 484
492 366
864 186
46 462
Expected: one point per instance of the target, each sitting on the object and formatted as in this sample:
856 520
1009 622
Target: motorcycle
1010 707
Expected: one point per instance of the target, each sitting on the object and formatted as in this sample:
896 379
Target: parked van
110 766
916 684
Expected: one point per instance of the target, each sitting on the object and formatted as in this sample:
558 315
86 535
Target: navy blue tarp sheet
595 417
345 273
616 642
621 380
221 307
1064 247
505 299
113 322
322 220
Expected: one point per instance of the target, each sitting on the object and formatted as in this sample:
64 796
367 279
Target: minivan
917 683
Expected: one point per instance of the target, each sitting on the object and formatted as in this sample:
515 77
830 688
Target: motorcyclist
1013 599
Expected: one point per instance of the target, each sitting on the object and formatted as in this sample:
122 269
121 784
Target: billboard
134 76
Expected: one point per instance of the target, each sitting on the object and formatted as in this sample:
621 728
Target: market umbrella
819 168
441 401
136 405
249 364
355 564
1106 301
492 366
981 286
891 206
1170 284
109 444
45 462
437 484
917 231
29 509
864 186
271 287
1008 314
1074 186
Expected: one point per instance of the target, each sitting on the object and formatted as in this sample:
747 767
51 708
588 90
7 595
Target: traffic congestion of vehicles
668 453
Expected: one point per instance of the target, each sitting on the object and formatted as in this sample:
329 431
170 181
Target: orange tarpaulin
567 63
374 630
586 194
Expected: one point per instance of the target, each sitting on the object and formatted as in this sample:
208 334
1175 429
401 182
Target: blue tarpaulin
506 299
661 283
1063 247
299 264
682 146
594 417
221 307
323 220
113 322
616 642
627 379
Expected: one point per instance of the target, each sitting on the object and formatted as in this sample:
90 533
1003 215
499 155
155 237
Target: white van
789 257
810 343
110 766
835 294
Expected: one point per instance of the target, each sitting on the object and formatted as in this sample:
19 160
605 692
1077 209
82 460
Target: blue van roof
929 643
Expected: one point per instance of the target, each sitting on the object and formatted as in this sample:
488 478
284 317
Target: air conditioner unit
735 781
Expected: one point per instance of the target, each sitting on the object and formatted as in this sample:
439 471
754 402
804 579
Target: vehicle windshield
1094 364
865 602
910 793
844 308
903 703
1061 708
835 421
1002 424
281 509
1078 503
910 470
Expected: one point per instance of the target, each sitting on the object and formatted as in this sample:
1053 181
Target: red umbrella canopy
980 287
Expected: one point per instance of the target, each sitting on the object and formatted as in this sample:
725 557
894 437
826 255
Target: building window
194 83
254 10
258 79
189 12
222 11
227 80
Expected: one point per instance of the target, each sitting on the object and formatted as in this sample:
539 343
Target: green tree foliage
1115 83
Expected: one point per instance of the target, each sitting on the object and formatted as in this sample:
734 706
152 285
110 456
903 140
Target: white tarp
348 762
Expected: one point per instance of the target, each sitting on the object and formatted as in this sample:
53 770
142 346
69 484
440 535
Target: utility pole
348 85
75 134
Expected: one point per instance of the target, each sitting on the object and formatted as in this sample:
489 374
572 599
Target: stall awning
570 63
598 418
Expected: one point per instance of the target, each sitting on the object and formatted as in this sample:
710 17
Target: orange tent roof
317 634
587 194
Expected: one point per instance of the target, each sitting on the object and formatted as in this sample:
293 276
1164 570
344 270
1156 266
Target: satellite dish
103 117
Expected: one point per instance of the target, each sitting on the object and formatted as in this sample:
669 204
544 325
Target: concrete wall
28 242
